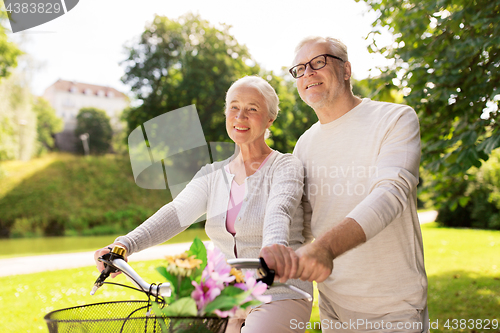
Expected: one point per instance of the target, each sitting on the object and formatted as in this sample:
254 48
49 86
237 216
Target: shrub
96 124
481 205
73 196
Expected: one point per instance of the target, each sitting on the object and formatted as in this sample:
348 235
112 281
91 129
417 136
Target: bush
96 124
75 196
480 204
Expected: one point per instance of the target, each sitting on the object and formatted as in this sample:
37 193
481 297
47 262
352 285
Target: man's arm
315 260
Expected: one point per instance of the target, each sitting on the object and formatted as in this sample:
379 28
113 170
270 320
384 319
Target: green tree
9 137
294 117
446 58
379 89
182 62
47 124
18 122
96 124
8 50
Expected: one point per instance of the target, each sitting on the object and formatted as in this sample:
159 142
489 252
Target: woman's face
247 116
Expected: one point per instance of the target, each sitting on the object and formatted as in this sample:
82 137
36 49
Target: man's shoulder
309 132
386 107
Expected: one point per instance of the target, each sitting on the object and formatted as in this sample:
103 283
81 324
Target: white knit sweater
364 165
270 213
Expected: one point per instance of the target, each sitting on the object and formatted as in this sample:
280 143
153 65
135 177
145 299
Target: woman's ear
347 70
271 121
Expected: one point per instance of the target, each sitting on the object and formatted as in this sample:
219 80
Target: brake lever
266 273
116 253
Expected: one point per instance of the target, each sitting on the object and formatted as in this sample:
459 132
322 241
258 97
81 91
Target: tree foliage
378 89
446 58
96 124
294 117
182 62
8 51
47 124
189 61
18 122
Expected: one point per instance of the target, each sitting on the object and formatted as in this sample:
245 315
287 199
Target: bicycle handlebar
162 289
114 262
267 274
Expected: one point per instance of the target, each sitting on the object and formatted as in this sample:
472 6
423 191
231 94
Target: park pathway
51 262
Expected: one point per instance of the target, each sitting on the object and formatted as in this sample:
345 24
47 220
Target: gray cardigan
270 213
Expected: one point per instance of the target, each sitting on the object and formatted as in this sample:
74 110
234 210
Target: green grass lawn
463 267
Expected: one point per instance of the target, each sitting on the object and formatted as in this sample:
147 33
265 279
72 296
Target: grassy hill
63 194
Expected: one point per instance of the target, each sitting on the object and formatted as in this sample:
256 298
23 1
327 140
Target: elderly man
361 163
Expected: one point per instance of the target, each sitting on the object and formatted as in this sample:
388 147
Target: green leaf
170 278
221 302
186 287
224 302
463 201
159 313
489 144
253 302
232 291
183 307
199 250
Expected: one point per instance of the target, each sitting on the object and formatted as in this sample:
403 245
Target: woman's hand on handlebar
103 251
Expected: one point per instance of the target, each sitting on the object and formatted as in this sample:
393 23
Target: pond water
47 245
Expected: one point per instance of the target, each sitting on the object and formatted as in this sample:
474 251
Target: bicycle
137 316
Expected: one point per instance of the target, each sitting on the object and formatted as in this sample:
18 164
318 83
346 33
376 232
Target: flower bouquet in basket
205 288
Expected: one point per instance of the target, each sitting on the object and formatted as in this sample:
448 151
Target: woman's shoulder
283 160
210 168
286 157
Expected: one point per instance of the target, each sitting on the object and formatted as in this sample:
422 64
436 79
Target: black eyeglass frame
310 62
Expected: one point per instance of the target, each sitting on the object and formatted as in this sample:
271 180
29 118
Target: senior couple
340 211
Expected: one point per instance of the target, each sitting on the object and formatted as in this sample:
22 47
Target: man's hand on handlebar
282 259
103 251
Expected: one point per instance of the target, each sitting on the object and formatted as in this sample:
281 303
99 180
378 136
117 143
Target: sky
87 43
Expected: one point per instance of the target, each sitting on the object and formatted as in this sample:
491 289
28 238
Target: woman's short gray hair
337 48
266 90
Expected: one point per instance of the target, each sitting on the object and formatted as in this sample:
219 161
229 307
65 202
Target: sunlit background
87 43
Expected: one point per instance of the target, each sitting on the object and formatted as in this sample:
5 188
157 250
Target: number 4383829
32 8
454 324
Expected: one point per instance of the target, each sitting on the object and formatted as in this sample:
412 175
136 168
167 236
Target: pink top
236 197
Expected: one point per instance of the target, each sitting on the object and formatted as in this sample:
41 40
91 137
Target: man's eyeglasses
315 63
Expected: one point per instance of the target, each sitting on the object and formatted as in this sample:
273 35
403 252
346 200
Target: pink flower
257 288
217 267
205 292
225 314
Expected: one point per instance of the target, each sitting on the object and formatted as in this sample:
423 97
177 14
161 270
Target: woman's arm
284 197
174 217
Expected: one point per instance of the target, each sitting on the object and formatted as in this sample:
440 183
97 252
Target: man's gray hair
336 47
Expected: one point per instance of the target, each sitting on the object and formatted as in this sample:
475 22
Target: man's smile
313 85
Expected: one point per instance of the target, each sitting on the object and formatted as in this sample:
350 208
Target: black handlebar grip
267 274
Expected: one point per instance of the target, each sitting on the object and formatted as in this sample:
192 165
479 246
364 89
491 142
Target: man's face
319 88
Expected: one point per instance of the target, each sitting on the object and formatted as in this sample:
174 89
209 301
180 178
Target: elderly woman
252 200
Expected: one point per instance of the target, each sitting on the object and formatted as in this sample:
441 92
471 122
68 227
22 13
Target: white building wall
67 103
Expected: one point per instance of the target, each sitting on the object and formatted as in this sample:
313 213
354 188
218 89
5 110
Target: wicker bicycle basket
126 317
